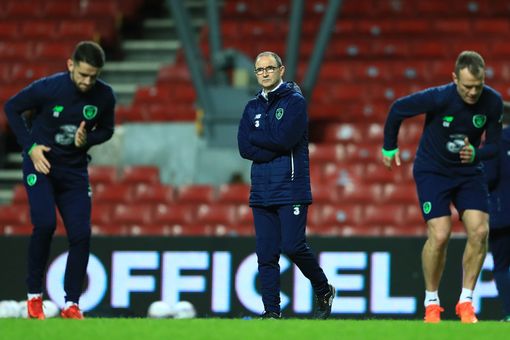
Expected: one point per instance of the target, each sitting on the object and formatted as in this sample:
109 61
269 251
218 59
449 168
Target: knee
44 225
82 235
439 239
479 234
292 250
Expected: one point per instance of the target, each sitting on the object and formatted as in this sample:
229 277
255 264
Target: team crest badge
427 207
447 120
31 179
89 111
279 113
479 120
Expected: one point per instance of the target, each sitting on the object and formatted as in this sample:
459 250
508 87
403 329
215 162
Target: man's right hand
388 157
41 164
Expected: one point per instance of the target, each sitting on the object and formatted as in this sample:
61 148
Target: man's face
268 73
83 75
469 86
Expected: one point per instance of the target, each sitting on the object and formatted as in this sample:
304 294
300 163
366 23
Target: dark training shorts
437 191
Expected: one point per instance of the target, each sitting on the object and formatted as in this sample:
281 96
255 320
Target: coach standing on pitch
447 170
69 113
273 133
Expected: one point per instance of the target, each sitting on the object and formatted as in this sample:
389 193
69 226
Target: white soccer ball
9 309
50 309
184 310
160 310
23 309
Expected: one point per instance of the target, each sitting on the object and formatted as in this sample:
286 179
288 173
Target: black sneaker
271 315
323 307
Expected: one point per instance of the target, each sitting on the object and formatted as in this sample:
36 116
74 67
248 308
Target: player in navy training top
56 120
447 170
497 170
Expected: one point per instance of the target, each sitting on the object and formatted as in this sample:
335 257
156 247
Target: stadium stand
379 50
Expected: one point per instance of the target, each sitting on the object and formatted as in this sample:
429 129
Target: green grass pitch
239 329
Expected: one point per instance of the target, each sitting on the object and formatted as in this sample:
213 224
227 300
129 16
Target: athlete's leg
268 239
434 251
499 243
43 217
74 203
293 222
476 223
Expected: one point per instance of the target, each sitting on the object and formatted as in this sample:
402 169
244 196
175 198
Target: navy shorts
437 191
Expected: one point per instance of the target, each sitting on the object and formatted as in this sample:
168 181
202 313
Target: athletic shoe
433 313
466 312
323 307
72 312
271 315
35 308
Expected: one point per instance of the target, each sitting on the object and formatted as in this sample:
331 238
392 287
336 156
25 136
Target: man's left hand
467 153
80 139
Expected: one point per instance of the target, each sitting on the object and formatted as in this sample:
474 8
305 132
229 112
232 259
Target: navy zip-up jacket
56 109
498 170
448 120
273 134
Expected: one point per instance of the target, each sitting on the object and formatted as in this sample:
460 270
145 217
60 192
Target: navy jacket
498 170
448 121
273 134
57 108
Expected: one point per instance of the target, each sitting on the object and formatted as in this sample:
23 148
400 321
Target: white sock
431 298
466 295
33 296
69 304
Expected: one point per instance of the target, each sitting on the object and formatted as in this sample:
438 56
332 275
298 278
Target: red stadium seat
361 193
19 195
245 216
115 193
134 174
77 29
340 214
39 29
193 230
9 30
134 214
150 230
196 193
109 229
325 194
102 174
383 215
215 214
174 214
17 229
400 193
155 193
101 214
14 214
324 153
233 193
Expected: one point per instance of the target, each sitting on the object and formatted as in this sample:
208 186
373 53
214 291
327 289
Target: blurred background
182 72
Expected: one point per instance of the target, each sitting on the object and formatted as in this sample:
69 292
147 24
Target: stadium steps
10 176
143 57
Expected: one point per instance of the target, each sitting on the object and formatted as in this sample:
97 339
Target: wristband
389 153
31 148
473 155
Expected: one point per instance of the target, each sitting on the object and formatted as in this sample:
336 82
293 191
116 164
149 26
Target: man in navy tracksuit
273 133
68 113
447 170
497 170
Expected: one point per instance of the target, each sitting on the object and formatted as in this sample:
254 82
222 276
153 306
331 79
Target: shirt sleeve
105 126
246 149
27 99
406 107
492 135
284 133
